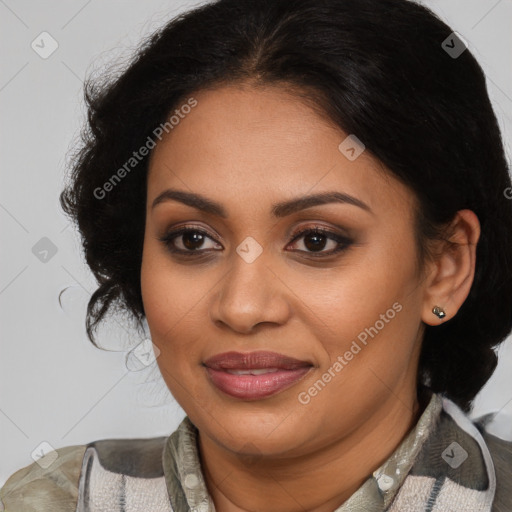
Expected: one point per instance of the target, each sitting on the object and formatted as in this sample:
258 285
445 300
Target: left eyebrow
278 210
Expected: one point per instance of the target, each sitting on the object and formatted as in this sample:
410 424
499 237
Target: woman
306 201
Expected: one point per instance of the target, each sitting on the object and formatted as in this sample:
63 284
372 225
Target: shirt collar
187 488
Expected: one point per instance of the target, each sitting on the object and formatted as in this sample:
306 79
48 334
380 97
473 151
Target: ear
453 270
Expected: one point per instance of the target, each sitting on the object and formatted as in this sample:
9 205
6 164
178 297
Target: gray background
55 387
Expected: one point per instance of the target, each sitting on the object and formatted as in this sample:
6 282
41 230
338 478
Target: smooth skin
248 148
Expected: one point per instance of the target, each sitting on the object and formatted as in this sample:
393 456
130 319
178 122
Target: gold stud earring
439 311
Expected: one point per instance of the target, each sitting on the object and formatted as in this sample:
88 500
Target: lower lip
253 387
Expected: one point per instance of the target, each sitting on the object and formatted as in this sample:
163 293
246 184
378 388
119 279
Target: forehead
241 143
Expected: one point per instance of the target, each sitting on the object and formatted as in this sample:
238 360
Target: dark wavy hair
378 69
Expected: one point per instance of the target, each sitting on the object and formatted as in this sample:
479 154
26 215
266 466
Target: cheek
175 301
166 304
368 312
164 294
155 293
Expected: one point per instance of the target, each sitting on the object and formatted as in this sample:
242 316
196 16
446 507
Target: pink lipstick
254 375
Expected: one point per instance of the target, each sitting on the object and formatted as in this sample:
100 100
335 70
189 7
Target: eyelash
344 242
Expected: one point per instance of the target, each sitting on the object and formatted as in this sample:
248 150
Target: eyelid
343 241
173 233
315 226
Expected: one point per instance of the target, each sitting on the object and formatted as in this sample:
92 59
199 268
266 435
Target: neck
238 484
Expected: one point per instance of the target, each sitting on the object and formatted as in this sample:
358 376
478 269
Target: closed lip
254 360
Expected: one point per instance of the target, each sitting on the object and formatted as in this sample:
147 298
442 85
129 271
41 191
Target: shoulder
140 458
501 454
50 483
54 481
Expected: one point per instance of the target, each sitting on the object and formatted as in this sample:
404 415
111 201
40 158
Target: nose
250 294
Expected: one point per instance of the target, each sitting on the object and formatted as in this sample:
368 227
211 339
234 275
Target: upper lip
254 360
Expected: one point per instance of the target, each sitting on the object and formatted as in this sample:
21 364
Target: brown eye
190 241
187 240
317 239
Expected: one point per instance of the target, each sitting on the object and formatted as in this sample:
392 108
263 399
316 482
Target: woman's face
244 280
